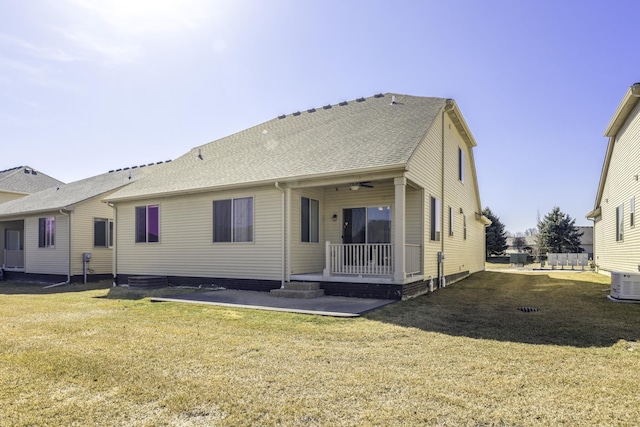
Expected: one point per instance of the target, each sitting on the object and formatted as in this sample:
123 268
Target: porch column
399 273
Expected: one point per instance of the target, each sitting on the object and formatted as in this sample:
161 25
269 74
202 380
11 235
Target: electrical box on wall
86 256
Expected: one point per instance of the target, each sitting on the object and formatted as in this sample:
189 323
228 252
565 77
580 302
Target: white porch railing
360 258
412 256
13 259
372 259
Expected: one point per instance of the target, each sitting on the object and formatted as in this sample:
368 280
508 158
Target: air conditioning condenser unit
625 287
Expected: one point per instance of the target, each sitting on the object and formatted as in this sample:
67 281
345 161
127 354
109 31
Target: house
616 235
46 233
23 180
375 197
530 242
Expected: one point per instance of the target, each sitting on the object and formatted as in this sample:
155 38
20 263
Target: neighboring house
46 233
23 180
616 232
530 242
361 196
586 240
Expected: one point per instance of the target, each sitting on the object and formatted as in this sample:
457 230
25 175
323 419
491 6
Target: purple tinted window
147 223
153 223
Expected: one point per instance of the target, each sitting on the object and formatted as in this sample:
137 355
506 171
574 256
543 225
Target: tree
519 243
496 236
558 233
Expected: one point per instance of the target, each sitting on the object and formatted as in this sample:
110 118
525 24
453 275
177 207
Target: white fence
580 260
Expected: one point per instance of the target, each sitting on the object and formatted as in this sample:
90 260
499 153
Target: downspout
114 259
68 215
441 280
283 243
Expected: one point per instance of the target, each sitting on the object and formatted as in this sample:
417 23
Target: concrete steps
299 290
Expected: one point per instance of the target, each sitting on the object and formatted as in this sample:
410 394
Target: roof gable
368 133
25 180
65 196
621 116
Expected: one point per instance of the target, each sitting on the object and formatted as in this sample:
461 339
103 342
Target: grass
463 355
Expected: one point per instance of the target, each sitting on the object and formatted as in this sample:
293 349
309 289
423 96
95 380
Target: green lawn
463 355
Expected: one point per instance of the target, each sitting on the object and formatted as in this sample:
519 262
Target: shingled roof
367 133
25 180
65 196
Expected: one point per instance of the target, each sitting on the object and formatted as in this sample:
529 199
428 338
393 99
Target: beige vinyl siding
46 260
186 245
5 196
82 234
620 186
306 257
425 169
461 255
414 204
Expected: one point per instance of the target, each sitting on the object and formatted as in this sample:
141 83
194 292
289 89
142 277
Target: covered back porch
12 233
369 231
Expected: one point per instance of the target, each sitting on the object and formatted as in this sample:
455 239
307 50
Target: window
102 233
310 220
619 223
632 212
148 224
460 164
46 232
464 227
233 220
367 225
435 219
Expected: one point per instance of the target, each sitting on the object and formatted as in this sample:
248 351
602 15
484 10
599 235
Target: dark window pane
42 227
100 232
222 221
141 224
304 219
379 224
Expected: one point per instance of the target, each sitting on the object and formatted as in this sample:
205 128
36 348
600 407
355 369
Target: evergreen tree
496 236
558 233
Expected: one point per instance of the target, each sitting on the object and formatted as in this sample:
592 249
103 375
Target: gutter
283 243
265 182
449 106
68 215
114 260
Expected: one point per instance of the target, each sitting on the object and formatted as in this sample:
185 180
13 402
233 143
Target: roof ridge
329 106
139 166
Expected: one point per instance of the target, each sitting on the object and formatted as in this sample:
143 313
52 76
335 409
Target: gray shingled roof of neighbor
349 137
67 195
25 180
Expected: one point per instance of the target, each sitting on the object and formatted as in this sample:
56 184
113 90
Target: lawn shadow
43 288
526 308
137 293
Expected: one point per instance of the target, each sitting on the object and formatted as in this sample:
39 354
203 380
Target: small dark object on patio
528 309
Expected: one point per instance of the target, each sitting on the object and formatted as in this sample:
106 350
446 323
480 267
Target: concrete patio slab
323 306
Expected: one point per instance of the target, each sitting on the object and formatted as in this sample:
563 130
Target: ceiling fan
356 185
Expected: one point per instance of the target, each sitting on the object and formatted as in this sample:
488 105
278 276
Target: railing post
326 273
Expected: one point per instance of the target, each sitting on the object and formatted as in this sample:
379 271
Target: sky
87 86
